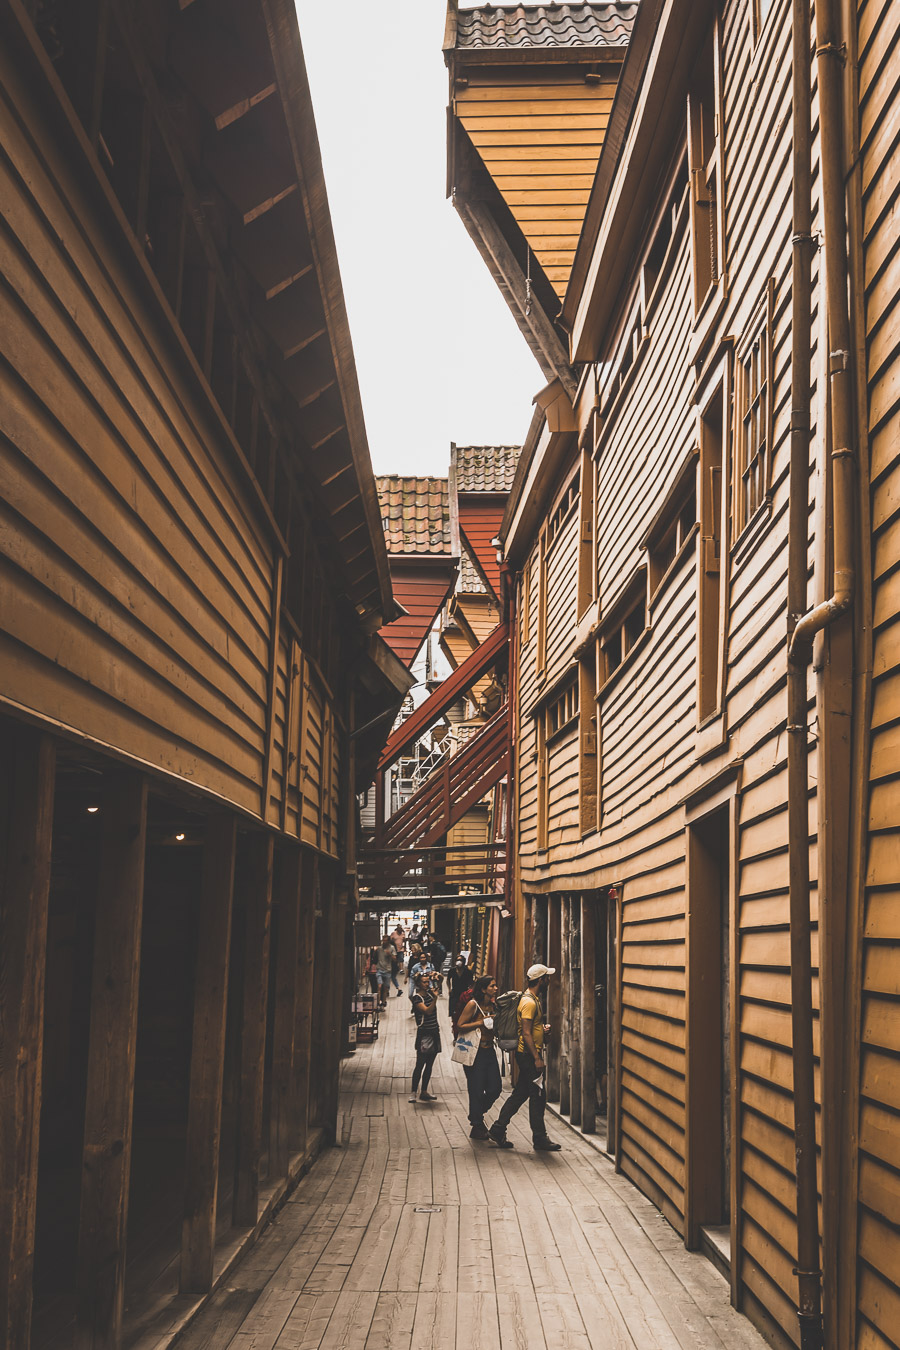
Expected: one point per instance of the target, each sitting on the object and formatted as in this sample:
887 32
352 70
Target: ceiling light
92 810
179 837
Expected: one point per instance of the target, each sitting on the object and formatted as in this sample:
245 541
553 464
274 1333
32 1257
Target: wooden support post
208 1056
565 1096
112 1048
287 908
256 882
27 771
305 967
554 1000
573 990
588 1006
336 908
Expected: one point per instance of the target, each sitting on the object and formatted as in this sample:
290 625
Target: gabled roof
415 515
497 28
484 468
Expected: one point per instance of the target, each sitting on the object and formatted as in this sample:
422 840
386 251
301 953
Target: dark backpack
506 1023
438 954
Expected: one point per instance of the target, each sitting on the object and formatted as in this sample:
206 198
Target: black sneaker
546 1145
479 1131
426 1097
499 1136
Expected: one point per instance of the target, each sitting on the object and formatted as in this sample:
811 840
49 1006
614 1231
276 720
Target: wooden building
192 575
703 534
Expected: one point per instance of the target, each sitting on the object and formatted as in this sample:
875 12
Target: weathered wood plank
27 772
208 1055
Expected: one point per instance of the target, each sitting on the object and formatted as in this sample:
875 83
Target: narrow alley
412 1234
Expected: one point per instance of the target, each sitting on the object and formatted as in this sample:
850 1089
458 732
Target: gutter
803 626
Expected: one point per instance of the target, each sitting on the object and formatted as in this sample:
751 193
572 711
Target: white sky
439 355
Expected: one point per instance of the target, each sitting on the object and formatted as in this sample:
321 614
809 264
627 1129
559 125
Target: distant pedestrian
483 1077
372 970
428 1036
460 981
384 969
530 1086
398 937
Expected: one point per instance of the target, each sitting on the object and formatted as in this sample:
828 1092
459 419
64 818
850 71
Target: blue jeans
484 1083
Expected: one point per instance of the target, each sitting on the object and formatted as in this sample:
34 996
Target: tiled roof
415 514
554 25
469 582
485 468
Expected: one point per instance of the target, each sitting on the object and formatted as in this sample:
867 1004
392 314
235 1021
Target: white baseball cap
535 972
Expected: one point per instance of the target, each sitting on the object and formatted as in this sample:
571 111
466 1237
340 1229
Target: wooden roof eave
293 87
655 80
481 211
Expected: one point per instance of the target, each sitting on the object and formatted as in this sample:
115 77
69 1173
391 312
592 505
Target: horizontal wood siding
879 1118
137 588
421 590
539 131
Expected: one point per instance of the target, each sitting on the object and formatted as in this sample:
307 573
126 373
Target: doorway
708 1199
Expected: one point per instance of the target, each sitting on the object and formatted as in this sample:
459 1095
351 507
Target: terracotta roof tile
469 582
553 25
485 468
415 514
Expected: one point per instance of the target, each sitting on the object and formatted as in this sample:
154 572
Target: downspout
803 626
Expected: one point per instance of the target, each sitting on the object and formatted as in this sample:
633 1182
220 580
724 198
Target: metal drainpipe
804 626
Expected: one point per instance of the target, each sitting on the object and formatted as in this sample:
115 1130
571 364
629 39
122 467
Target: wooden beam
554 996
26 825
287 919
112 1046
573 954
306 959
555 363
208 1055
255 875
588 1020
490 651
565 1095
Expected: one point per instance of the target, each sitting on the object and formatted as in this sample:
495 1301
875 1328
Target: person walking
530 1085
384 969
428 1035
483 1077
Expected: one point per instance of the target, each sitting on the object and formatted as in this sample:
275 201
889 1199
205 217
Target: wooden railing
430 873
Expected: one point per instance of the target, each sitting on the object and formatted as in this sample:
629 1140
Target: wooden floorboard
409 1234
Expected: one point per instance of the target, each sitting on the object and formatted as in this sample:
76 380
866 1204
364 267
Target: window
542 603
634 336
557 716
586 567
666 228
561 711
588 716
525 604
563 507
709 568
705 165
674 525
624 626
752 477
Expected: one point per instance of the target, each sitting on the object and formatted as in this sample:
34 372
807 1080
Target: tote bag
467 1046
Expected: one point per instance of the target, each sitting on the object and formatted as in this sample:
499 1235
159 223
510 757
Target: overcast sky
439 355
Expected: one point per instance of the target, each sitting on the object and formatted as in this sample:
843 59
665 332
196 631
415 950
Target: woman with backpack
483 1076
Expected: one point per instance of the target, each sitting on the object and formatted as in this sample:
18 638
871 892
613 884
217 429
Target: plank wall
879 1118
649 741
539 130
137 587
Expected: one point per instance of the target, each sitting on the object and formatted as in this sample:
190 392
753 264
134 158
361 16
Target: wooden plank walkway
411 1234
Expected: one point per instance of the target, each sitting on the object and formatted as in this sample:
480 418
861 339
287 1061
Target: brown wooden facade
191 571
661 856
